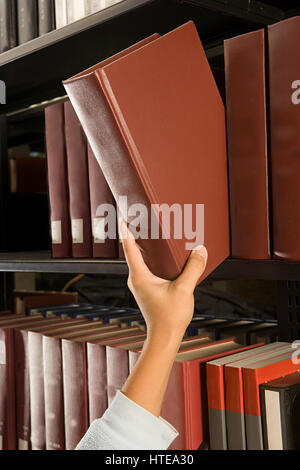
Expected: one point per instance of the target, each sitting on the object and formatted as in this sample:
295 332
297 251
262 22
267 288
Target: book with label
58 181
131 98
78 179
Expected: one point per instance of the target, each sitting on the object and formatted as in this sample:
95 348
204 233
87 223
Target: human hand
167 306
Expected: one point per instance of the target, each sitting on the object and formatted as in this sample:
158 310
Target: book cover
27 20
46 16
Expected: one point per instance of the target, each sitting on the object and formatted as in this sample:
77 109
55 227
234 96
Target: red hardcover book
284 73
234 395
216 396
245 69
7 391
165 134
100 193
59 298
78 178
253 376
58 181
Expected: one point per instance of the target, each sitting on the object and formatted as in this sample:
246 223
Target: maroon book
284 76
58 181
78 178
7 391
101 195
245 68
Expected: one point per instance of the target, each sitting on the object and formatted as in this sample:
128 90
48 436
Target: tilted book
155 116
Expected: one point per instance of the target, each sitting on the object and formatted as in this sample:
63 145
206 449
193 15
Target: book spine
284 73
75 391
133 358
53 390
245 65
36 385
58 181
7 391
92 6
46 16
27 20
76 9
78 179
8 25
112 155
97 384
100 194
235 415
117 363
22 389
61 18
216 407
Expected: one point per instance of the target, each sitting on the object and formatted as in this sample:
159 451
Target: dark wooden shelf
230 269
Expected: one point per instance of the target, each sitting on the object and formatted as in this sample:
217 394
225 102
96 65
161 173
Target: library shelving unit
33 74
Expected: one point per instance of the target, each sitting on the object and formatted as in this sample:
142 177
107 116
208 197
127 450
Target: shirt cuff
128 426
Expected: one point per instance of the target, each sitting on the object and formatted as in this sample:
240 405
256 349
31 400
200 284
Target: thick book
46 16
51 356
58 181
61 18
97 368
78 179
158 127
253 376
76 9
117 364
280 402
8 25
242 332
101 203
234 395
216 396
27 13
53 299
284 72
75 383
246 100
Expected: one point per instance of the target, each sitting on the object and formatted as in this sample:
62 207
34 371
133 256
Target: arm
168 308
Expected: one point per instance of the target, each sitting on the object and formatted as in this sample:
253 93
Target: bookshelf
33 73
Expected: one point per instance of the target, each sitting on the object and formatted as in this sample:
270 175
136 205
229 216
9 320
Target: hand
167 306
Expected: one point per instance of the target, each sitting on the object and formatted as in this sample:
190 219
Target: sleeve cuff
135 428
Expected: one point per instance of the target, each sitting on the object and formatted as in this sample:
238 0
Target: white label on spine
77 230
99 230
56 232
2 353
22 445
1 442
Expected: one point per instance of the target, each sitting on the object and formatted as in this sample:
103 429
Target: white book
92 6
76 9
61 13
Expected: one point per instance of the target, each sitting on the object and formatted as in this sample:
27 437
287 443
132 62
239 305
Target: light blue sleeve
127 426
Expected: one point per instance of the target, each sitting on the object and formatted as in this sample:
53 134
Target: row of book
23 20
65 363
77 188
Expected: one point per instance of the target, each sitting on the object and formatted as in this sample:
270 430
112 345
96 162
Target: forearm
147 383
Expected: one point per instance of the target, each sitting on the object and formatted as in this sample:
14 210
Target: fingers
132 252
194 268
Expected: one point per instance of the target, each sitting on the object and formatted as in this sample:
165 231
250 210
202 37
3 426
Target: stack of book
64 364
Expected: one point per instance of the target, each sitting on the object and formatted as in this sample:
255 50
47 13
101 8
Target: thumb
194 268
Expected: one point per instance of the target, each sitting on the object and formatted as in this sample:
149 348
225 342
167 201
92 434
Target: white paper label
56 232
1 442
99 230
2 353
77 230
22 445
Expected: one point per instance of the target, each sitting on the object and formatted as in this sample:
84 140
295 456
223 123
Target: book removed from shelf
245 68
216 395
234 395
78 179
8 25
139 111
58 181
280 401
284 84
